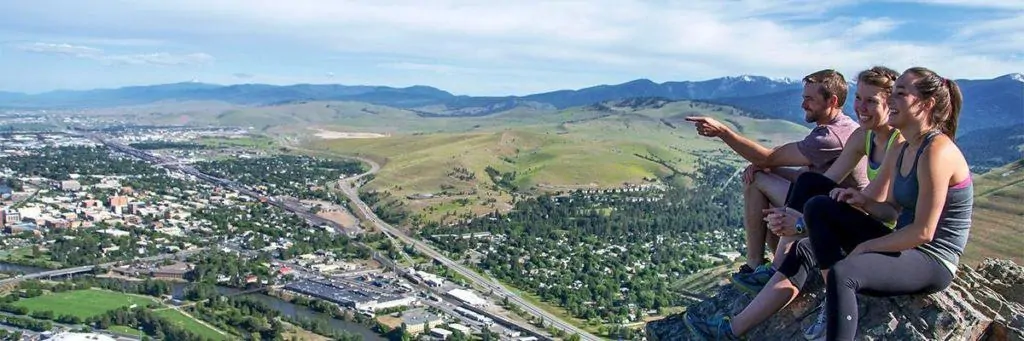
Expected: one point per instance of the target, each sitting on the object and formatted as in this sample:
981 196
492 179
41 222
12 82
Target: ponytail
948 99
956 102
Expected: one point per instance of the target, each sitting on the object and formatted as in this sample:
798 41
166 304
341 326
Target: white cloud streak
62 49
157 58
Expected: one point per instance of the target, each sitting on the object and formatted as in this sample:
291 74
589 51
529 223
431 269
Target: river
295 311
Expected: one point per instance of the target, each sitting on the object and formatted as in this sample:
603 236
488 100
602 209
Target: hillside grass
575 148
998 220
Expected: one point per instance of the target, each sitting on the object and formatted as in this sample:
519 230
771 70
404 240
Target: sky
493 47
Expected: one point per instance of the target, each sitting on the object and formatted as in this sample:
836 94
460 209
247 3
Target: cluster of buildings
22 144
424 277
69 205
350 296
326 262
178 134
174 271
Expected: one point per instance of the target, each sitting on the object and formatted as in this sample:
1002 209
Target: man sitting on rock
767 180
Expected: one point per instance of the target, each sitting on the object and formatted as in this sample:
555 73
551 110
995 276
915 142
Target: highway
347 187
422 247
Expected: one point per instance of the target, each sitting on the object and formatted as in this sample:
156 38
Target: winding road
347 187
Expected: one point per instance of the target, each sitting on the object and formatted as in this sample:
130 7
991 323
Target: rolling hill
989 103
596 146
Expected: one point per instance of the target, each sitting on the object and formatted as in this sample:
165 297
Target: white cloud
158 58
996 4
243 75
676 38
63 49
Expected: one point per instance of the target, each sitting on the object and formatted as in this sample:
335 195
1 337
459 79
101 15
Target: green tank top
874 166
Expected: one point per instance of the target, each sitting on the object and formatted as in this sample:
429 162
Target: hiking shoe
713 329
746 269
816 331
753 282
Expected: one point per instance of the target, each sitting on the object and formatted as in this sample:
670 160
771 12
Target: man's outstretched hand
707 126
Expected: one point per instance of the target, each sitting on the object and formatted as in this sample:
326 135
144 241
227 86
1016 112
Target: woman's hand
782 220
851 196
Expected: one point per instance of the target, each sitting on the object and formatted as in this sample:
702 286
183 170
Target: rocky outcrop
986 303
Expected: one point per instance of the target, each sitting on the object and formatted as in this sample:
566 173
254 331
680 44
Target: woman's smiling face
905 102
871 105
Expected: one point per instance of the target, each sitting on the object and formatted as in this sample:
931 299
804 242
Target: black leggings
836 227
807 186
801 260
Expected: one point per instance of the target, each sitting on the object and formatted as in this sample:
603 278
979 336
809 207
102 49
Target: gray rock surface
986 303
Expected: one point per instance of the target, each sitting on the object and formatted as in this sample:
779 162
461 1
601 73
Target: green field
83 303
181 320
998 221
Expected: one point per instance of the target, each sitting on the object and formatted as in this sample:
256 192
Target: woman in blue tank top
930 198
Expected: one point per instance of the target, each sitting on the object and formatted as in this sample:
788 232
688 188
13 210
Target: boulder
986 303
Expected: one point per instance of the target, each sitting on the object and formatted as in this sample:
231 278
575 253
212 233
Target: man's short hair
832 84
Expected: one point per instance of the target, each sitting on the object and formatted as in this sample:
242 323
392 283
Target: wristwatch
800 228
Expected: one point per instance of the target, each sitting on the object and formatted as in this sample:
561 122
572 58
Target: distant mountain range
989 102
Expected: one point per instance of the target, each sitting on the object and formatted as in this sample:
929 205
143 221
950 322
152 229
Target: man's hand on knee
748 173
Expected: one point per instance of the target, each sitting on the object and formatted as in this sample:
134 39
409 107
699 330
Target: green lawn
181 320
83 303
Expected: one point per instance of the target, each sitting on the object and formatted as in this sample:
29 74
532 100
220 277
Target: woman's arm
933 176
849 158
878 199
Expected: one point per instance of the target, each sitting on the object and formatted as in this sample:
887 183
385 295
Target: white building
384 303
467 297
440 333
458 327
69 336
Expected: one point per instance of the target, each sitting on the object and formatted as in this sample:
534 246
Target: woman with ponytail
930 198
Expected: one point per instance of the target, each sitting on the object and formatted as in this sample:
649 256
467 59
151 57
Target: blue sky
492 47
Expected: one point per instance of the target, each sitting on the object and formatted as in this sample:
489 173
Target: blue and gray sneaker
715 328
817 330
753 282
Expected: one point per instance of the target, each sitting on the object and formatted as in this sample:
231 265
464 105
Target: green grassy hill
998 222
586 147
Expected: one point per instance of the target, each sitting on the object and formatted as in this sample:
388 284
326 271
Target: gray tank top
954 222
